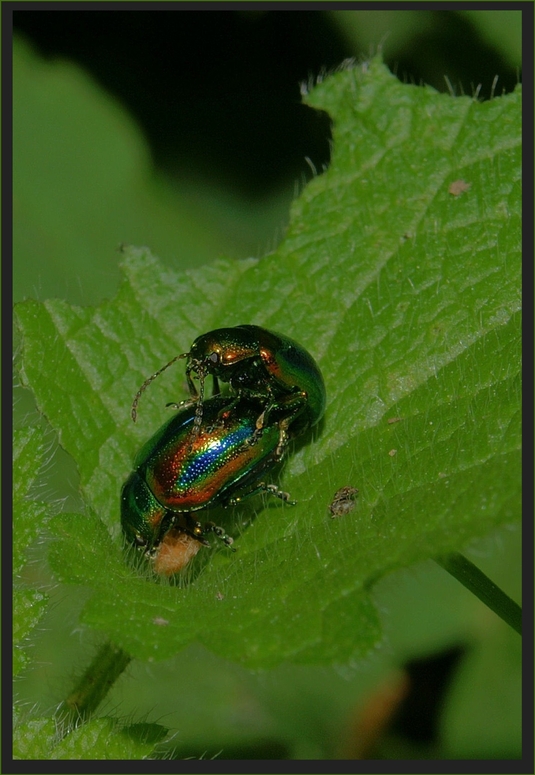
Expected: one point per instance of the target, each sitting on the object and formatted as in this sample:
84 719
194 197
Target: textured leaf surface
33 739
28 607
105 736
39 739
29 517
407 294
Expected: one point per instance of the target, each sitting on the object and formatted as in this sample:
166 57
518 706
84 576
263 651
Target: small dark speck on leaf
343 501
458 187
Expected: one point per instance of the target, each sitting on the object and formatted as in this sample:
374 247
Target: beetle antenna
147 382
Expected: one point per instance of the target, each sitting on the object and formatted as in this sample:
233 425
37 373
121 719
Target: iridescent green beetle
269 367
175 476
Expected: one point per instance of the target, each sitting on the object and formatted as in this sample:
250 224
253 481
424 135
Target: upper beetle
260 364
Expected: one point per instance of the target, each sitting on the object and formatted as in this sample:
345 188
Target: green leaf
28 514
407 292
34 739
105 736
29 606
40 739
29 517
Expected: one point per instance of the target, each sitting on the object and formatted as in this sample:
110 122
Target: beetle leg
260 420
211 527
216 390
191 384
227 409
271 489
180 404
197 532
291 405
199 410
283 439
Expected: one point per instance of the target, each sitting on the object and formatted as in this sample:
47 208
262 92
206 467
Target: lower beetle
260 364
175 476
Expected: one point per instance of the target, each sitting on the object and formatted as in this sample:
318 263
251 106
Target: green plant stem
482 587
95 683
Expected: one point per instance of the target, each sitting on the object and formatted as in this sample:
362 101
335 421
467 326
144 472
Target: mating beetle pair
215 451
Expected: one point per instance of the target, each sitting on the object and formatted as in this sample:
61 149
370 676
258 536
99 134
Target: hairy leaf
29 517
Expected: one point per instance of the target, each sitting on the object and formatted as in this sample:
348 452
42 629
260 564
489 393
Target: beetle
260 364
176 476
